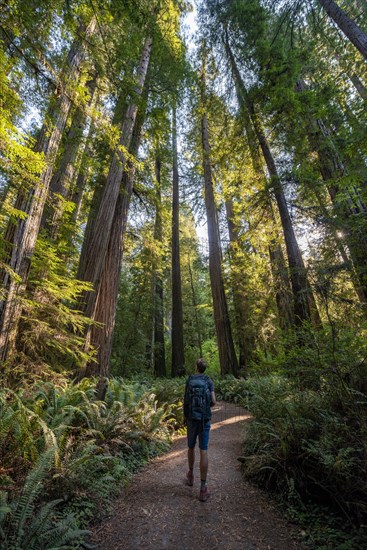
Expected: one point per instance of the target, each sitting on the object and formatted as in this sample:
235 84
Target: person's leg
203 443
191 442
203 467
191 458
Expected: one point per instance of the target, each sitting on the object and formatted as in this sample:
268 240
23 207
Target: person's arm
213 399
186 405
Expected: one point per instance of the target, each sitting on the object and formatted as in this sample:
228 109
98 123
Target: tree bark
194 305
76 192
95 247
282 285
178 359
300 287
351 30
359 86
23 235
105 313
62 178
159 347
227 354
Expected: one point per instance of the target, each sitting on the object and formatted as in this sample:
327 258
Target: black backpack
198 398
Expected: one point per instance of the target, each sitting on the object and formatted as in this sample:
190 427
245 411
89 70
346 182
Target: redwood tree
178 360
227 354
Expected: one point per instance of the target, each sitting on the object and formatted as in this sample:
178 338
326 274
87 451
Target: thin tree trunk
351 30
340 245
359 86
195 304
299 283
282 285
227 354
283 294
159 347
24 235
62 178
241 304
95 247
178 359
298 276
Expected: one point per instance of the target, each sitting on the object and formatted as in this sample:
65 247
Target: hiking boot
204 494
190 478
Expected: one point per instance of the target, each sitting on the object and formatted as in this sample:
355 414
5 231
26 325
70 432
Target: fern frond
31 490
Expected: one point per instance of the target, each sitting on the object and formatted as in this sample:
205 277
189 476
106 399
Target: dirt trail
157 510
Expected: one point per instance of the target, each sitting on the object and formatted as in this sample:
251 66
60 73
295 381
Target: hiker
199 397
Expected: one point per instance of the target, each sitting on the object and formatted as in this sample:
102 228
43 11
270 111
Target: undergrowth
63 453
307 442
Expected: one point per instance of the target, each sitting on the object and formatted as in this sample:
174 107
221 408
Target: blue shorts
196 428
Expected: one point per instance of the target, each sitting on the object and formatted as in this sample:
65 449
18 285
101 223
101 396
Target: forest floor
158 510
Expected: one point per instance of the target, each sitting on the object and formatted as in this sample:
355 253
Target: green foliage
232 389
211 355
306 442
25 525
172 392
52 327
308 446
83 449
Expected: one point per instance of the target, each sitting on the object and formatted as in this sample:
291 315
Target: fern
31 490
23 526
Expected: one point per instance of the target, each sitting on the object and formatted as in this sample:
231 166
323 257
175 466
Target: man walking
198 400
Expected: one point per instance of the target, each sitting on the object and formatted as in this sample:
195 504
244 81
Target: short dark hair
201 365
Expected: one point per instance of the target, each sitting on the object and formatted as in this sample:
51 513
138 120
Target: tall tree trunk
62 178
227 354
195 306
178 359
23 235
300 287
359 86
95 246
100 181
105 313
351 30
340 245
159 348
282 283
283 294
241 304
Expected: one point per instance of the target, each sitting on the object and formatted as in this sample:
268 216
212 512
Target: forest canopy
118 142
